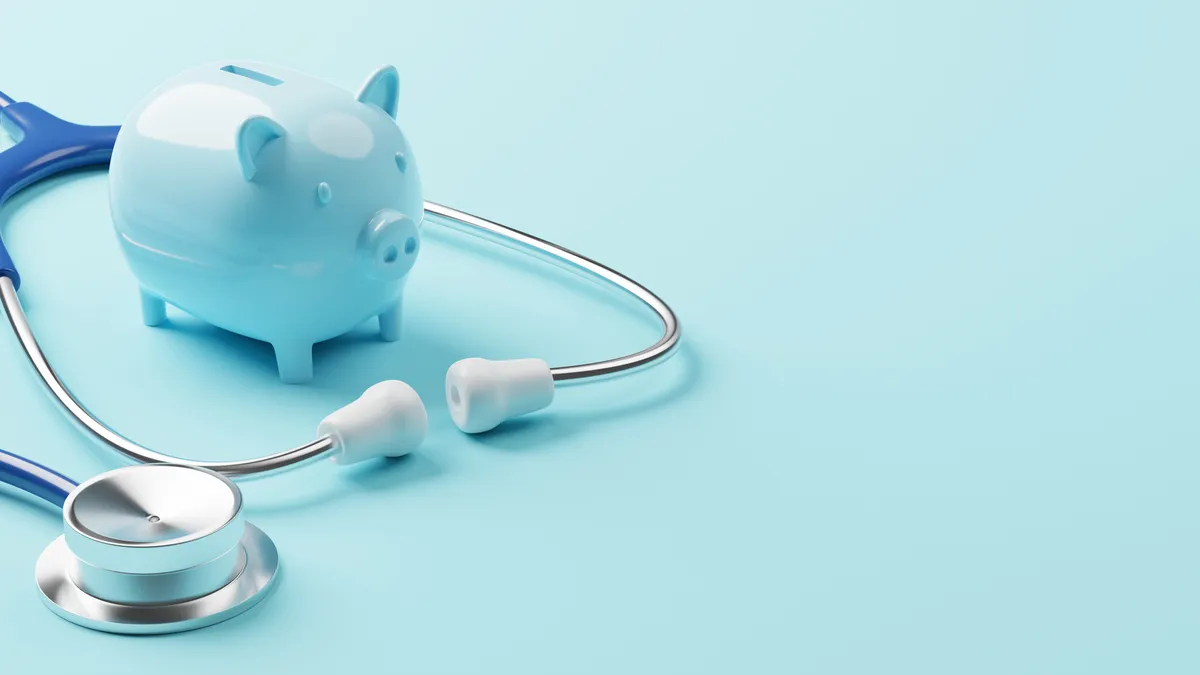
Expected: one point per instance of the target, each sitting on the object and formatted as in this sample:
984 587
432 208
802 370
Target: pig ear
254 135
382 88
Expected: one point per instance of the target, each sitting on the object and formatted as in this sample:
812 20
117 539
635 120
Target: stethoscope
162 546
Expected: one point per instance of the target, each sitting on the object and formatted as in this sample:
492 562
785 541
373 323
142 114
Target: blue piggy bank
269 203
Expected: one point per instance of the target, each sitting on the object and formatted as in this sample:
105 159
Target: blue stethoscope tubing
39 481
57 146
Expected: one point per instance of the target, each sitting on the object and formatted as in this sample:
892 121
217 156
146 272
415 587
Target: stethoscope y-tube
47 145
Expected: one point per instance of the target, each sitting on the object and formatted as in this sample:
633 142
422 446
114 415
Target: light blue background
937 407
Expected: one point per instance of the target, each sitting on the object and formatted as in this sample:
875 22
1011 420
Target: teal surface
937 407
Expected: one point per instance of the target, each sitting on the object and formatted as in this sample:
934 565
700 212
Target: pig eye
324 193
401 162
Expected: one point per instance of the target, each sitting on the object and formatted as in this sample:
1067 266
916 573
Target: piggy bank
270 204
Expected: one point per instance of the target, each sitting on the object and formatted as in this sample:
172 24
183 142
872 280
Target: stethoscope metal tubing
94 428
527 243
322 447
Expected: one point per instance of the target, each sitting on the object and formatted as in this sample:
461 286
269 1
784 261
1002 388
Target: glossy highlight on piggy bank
269 203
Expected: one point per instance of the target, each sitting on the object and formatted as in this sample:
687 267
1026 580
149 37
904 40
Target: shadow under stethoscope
35 505
420 359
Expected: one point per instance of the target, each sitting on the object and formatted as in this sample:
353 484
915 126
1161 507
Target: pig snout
388 245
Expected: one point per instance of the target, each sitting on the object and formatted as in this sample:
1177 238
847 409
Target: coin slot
253 75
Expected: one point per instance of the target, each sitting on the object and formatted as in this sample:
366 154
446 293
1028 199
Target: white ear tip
387 420
481 394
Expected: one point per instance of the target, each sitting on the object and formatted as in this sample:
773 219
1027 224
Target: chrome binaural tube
94 428
324 446
531 245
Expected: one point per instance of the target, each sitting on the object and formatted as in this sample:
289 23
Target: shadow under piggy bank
345 365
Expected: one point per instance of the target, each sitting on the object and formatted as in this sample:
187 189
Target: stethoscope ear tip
481 394
388 420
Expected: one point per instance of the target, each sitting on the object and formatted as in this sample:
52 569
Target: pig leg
295 362
389 323
154 309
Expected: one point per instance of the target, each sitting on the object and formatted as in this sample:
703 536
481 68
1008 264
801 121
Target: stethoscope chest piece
156 548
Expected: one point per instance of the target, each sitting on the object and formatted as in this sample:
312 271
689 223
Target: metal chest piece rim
158 548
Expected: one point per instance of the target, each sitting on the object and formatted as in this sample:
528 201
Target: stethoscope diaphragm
156 548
